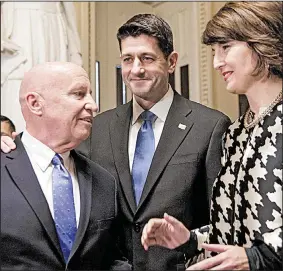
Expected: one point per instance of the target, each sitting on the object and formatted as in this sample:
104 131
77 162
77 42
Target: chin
84 136
230 89
142 93
139 91
81 136
236 91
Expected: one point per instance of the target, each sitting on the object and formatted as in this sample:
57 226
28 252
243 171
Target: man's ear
34 103
172 61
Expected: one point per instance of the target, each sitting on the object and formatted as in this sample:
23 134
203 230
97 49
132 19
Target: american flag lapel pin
182 126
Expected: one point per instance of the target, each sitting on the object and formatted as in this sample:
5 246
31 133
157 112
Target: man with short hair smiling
162 148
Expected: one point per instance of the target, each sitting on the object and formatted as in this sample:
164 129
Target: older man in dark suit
58 208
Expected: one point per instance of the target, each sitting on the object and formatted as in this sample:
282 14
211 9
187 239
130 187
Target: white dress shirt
41 156
160 109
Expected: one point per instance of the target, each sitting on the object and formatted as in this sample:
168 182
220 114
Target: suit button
137 227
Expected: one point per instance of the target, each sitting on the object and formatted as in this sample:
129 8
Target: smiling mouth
88 120
226 75
140 79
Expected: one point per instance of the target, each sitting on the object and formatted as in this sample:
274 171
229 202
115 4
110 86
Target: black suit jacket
28 235
180 179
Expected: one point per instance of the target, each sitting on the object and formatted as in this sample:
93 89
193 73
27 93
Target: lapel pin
182 126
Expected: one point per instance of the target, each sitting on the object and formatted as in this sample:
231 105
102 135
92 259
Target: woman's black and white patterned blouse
246 207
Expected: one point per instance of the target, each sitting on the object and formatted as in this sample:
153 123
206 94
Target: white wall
187 20
222 99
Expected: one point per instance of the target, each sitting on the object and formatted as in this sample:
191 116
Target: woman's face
236 62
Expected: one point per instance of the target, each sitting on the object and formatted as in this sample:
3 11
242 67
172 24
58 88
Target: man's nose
137 67
91 104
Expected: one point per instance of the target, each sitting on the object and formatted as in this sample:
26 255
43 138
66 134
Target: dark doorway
172 80
185 91
121 91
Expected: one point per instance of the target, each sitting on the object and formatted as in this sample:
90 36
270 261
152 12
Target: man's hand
230 258
167 232
7 143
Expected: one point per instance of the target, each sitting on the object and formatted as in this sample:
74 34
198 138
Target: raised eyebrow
125 55
148 54
78 86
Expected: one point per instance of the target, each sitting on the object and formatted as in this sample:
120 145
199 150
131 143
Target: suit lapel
119 134
84 175
24 177
171 138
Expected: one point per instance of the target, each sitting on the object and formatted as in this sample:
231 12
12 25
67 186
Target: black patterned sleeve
192 249
262 257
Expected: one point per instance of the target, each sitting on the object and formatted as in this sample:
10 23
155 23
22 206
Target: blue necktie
144 152
64 207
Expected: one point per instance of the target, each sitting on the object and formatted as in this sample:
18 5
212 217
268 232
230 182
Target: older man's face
6 129
68 107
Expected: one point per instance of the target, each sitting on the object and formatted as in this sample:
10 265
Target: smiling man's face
145 69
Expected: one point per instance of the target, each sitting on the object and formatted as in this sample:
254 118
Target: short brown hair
10 123
260 24
151 25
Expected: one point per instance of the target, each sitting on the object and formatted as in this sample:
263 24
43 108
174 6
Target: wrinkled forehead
63 82
52 76
80 81
77 76
140 44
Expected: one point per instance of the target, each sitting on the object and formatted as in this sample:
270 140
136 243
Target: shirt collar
160 109
41 153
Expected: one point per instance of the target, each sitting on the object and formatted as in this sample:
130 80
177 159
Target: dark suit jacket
28 235
180 178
